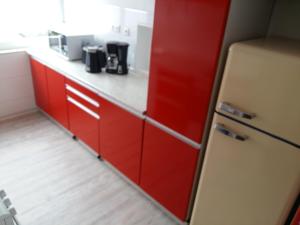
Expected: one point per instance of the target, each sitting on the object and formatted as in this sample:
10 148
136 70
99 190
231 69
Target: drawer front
262 89
254 181
84 123
89 98
84 102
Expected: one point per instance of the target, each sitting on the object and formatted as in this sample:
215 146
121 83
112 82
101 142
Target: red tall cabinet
187 40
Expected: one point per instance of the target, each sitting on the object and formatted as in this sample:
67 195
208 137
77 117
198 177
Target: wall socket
116 28
126 31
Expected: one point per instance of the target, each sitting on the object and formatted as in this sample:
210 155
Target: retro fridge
251 171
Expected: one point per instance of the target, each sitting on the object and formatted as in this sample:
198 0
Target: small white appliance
69 43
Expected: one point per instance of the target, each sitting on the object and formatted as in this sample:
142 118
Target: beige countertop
129 92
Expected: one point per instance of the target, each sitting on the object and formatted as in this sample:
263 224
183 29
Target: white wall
146 5
16 89
286 19
101 15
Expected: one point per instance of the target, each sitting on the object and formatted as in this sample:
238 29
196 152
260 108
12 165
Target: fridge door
261 86
247 178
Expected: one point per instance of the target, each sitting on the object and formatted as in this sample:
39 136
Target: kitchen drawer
94 106
168 169
250 182
84 123
83 95
262 78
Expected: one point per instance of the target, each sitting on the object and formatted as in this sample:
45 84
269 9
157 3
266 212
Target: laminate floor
53 180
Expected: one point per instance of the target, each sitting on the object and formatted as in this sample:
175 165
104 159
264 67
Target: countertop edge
130 109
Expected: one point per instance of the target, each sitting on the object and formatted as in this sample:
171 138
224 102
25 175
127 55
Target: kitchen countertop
129 92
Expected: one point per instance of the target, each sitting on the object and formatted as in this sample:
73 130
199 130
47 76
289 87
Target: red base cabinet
40 85
296 220
84 118
168 169
57 97
121 139
83 125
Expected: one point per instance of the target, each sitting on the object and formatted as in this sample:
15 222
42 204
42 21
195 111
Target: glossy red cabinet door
168 169
187 38
40 84
121 139
84 118
83 123
296 220
57 97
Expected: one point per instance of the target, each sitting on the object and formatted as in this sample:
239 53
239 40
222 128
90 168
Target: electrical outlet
116 28
126 31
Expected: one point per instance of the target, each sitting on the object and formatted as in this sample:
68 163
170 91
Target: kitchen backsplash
115 22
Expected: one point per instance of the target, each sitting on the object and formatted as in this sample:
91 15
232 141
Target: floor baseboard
19 114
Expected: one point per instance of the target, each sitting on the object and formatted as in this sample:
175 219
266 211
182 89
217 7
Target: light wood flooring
53 180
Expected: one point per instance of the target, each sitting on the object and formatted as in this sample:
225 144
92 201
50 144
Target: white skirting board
15 115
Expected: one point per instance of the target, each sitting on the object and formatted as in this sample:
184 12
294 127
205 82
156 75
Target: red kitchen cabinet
121 139
187 38
57 97
296 220
84 120
40 85
168 169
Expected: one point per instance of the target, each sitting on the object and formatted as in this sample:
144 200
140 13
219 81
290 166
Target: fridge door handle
227 107
222 129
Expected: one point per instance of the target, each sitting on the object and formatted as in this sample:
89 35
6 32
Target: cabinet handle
83 96
227 107
222 129
84 108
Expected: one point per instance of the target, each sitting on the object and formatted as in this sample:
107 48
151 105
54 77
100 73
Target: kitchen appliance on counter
117 58
251 171
69 44
94 58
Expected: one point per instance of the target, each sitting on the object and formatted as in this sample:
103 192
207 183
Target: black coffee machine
117 58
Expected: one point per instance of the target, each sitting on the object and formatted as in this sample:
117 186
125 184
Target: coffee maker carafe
117 58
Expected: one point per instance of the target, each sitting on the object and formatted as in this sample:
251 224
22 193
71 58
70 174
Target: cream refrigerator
251 170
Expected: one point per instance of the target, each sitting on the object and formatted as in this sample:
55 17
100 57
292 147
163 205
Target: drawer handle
222 129
83 96
226 107
84 108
